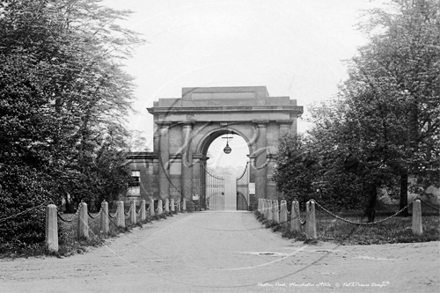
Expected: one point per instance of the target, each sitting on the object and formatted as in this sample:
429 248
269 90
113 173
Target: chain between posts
299 217
429 205
73 217
301 222
21 213
127 214
114 216
360 223
95 217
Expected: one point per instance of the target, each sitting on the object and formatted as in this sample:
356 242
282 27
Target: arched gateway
186 126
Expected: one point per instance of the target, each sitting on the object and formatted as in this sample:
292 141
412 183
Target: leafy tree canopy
63 99
384 122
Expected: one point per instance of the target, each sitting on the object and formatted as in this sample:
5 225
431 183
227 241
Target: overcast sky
294 47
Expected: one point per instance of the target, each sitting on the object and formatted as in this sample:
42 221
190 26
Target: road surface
225 252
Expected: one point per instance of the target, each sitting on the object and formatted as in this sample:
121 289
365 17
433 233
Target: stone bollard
172 205
417 227
266 206
143 210
104 218
120 221
133 212
283 213
152 207
311 221
184 205
167 205
51 228
259 205
83 225
159 207
269 210
276 211
295 225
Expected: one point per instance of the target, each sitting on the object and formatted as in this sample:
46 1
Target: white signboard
251 188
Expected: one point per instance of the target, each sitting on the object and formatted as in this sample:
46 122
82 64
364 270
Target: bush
23 201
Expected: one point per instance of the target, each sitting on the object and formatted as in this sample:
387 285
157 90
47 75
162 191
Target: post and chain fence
310 222
363 223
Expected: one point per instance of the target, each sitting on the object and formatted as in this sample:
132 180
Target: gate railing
214 191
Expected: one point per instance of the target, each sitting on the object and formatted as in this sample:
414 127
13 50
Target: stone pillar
187 161
285 127
133 212
51 228
164 162
167 205
152 207
196 171
283 213
266 208
269 210
272 142
159 207
311 220
104 218
260 160
202 185
120 220
184 204
172 205
83 225
417 228
143 210
276 211
295 225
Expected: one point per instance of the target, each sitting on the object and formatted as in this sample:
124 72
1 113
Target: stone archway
186 126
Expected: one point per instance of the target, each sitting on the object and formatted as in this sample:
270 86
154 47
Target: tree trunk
371 191
403 193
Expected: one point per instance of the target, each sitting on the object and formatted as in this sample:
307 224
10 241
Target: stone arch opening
220 180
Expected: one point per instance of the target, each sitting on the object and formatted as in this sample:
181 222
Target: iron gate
214 191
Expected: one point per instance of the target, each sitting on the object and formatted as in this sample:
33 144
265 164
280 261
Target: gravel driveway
226 252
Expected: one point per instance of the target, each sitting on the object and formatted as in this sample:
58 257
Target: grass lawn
394 230
70 244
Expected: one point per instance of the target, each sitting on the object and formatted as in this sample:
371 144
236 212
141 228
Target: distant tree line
63 99
384 124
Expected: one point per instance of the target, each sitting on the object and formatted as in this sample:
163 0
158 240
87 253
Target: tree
63 93
385 120
394 89
296 164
